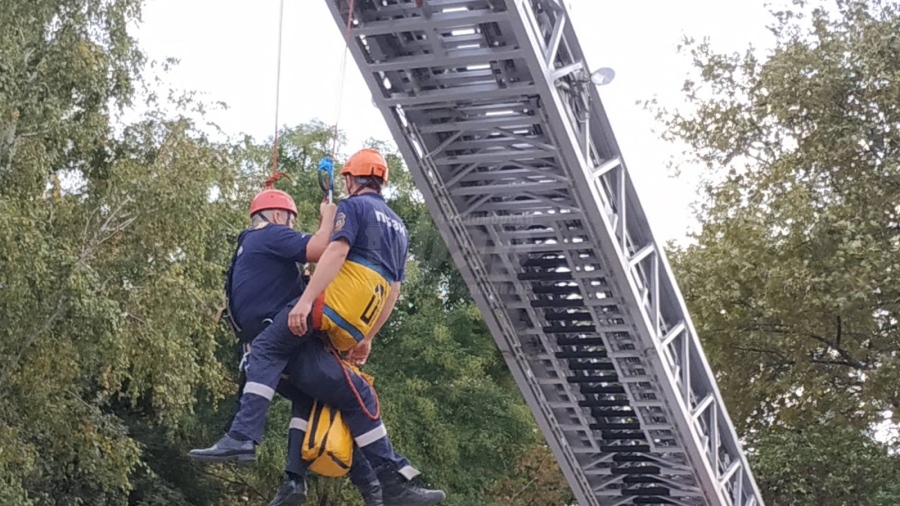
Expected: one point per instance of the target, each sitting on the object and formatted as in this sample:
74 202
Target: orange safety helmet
366 162
272 199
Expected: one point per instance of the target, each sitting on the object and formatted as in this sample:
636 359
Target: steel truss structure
508 142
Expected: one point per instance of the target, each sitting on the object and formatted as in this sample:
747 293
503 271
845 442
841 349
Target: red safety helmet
272 199
366 162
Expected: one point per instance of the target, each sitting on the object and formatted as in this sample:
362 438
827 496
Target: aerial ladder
492 107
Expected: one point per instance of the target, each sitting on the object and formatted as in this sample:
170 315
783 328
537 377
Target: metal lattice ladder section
511 148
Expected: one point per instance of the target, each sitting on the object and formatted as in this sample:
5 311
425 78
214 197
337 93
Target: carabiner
326 178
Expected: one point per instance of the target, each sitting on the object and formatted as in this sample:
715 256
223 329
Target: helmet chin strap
359 188
348 179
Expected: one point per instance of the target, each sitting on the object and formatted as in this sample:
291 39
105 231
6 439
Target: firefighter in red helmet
263 276
271 199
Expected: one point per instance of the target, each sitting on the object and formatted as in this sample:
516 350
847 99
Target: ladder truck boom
491 105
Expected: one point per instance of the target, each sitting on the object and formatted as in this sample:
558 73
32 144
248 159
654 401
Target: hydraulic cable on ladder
491 106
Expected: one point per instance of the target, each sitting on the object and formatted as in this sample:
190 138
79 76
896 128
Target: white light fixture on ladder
603 76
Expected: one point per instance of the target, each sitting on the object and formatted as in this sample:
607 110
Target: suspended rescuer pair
270 259
301 331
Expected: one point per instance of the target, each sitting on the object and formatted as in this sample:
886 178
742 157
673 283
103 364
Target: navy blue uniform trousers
318 374
361 472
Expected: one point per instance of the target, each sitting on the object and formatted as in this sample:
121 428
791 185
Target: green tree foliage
836 466
111 252
888 496
536 482
791 280
113 241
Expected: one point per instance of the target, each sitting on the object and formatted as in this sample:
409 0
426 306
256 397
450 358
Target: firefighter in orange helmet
350 296
363 266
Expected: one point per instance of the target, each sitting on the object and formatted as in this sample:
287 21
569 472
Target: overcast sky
228 51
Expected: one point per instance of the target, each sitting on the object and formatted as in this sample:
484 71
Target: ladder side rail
647 277
706 463
673 308
669 301
564 130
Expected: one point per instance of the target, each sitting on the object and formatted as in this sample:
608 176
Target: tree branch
90 246
240 481
784 360
842 352
7 370
777 328
835 362
837 338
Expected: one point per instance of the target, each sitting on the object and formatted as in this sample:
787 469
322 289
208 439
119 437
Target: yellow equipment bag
328 443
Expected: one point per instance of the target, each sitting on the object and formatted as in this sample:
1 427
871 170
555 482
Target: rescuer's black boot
399 491
226 449
291 493
371 493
